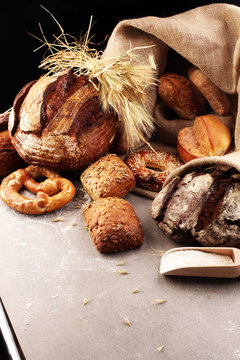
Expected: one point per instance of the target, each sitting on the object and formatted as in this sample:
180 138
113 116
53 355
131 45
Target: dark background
19 62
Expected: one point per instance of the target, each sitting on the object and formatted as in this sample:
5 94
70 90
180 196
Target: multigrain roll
9 158
113 225
107 177
202 206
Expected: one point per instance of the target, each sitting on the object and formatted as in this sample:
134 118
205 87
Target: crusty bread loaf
113 225
106 177
208 136
57 122
9 158
217 99
181 95
201 207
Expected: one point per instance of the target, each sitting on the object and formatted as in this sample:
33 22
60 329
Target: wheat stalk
121 81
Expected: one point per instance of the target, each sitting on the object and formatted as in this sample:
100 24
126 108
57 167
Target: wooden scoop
228 268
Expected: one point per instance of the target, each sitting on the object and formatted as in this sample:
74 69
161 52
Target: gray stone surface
48 268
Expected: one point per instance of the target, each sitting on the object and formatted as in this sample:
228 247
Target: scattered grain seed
85 301
126 320
123 272
159 349
120 263
135 291
159 301
59 219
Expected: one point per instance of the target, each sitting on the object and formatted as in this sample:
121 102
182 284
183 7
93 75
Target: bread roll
208 136
113 225
108 176
9 158
217 99
181 95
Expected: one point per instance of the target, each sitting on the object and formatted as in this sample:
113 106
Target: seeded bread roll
108 176
113 225
201 207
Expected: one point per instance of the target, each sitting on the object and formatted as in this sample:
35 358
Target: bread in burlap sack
206 36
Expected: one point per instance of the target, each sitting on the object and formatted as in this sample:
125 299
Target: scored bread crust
208 136
57 122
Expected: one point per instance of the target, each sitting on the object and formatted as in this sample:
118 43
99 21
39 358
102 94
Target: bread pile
193 96
57 123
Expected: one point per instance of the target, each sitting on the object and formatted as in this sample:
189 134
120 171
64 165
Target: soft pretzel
148 178
52 193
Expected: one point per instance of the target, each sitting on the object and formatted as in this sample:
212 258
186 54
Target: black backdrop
19 62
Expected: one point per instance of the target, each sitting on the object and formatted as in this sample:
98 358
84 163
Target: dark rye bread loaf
202 207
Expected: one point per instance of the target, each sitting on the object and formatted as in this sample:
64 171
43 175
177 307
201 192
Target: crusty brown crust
113 225
216 97
56 122
181 95
203 207
51 194
9 158
109 176
208 136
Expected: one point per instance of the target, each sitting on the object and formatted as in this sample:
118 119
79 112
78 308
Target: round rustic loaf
57 122
202 206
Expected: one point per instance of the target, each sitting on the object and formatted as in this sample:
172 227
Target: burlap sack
208 37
